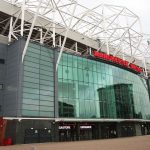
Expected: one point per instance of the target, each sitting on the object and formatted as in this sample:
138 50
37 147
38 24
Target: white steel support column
22 17
54 28
43 37
10 29
90 51
123 36
105 31
31 29
65 38
77 93
123 57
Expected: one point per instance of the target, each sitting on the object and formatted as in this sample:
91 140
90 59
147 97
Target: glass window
38 85
99 90
30 85
31 74
86 88
47 63
80 75
30 113
31 59
30 96
47 103
29 79
30 101
30 69
35 55
30 90
33 50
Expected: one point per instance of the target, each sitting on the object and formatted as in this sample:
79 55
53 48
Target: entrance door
67 133
127 131
108 131
85 132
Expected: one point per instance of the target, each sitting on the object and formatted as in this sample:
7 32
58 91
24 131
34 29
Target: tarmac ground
130 143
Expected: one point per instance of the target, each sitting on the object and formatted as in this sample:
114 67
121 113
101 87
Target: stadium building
71 73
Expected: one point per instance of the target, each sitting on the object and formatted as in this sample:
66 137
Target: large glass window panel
33 50
31 59
81 90
74 62
65 72
45 108
65 91
82 109
60 72
86 88
31 69
46 87
30 85
31 74
45 92
72 90
46 63
30 90
86 76
35 46
79 63
30 107
75 74
110 91
46 72
30 96
70 60
47 54
38 85
29 79
69 73
35 55
47 103
46 113
30 113
46 68
80 75
47 59
30 101
65 59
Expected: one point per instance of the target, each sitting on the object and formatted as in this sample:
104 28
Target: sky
139 7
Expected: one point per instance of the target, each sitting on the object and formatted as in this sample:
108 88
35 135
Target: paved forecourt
131 143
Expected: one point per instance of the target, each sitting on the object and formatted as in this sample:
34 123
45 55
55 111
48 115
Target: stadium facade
88 95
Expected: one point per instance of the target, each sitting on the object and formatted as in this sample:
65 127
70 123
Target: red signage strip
118 61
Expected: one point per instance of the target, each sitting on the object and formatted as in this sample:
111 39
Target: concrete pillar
78 131
55 131
99 131
20 129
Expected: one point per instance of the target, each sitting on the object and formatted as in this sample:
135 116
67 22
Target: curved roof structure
113 29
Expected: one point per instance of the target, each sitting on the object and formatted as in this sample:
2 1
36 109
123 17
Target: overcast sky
139 7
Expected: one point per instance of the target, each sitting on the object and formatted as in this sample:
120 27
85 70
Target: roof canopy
114 27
